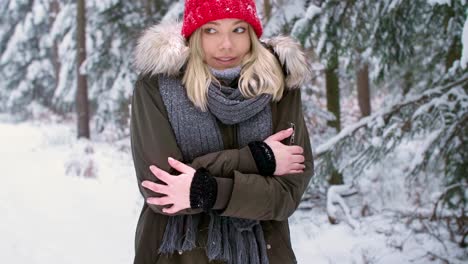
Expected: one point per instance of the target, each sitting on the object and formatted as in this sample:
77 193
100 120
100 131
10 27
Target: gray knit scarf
233 240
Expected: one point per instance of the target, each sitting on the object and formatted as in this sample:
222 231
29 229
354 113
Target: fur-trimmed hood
162 49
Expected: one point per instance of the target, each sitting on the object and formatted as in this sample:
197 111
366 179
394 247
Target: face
225 42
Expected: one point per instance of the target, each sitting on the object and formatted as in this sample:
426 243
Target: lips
225 59
225 62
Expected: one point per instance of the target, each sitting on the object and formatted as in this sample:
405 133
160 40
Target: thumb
283 134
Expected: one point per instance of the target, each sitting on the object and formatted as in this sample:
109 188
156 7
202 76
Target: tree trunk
55 9
336 178
453 54
333 93
407 82
82 107
266 10
148 7
333 106
363 91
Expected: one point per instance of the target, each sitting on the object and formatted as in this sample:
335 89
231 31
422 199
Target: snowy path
48 217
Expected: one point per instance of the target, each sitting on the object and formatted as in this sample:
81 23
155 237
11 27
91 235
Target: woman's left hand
177 190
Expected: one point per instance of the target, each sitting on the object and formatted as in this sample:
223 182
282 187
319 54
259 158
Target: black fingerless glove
203 190
264 157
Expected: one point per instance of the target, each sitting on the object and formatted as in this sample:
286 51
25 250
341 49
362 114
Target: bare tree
82 106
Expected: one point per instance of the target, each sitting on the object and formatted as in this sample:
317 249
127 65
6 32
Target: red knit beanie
199 12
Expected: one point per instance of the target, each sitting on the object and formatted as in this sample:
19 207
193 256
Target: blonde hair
261 72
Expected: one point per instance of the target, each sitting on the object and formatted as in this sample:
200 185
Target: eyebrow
235 23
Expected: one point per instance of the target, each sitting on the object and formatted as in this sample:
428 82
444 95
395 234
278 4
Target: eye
209 30
240 30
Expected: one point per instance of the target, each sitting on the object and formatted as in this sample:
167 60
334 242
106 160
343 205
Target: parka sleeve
274 197
153 141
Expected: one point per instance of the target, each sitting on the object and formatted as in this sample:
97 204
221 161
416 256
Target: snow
289 11
464 58
439 2
40 13
335 197
53 218
393 4
102 5
175 12
343 133
313 11
379 240
19 35
64 20
49 216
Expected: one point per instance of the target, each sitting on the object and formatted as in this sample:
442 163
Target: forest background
387 106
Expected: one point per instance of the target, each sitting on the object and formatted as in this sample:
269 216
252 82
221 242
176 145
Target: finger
160 174
157 188
281 135
297 166
171 210
180 167
296 149
298 159
296 172
159 200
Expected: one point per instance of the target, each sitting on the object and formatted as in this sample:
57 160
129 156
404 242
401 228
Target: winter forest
386 109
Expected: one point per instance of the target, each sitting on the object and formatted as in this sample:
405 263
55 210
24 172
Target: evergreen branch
372 138
351 130
443 195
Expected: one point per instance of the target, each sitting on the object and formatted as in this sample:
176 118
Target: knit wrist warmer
264 157
203 190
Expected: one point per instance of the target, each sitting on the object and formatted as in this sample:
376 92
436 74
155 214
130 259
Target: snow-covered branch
335 196
439 115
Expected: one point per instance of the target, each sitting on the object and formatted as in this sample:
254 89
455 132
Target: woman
216 160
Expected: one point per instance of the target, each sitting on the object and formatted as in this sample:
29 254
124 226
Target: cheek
206 46
244 45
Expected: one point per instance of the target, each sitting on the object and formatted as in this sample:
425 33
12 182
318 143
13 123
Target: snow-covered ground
50 216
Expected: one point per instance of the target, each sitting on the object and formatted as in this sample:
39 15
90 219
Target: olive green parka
246 194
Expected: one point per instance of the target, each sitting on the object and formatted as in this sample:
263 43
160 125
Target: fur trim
292 58
162 49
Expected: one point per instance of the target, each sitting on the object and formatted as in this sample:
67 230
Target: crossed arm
153 142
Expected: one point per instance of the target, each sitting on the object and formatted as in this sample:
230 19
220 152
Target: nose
226 42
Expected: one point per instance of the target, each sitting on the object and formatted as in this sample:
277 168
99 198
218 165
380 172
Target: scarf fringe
261 244
214 247
227 251
173 235
233 240
190 233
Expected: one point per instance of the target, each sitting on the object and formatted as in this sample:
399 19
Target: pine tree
25 72
412 45
38 56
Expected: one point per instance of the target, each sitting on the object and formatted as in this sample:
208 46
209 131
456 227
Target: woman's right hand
289 159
